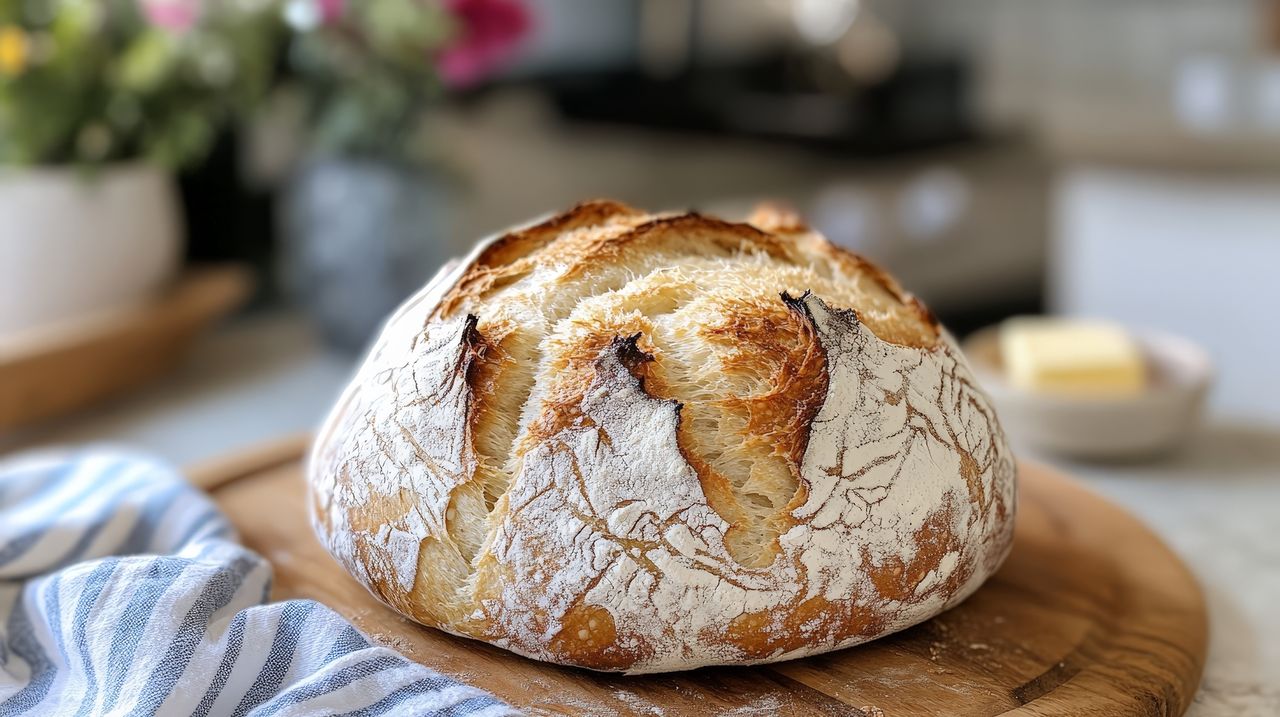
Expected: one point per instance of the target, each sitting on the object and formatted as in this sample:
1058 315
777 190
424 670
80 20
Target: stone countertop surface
1216 502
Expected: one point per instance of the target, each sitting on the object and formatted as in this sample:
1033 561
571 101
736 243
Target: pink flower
331 10
489 32
173 15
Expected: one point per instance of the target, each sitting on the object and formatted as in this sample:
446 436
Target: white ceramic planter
74 245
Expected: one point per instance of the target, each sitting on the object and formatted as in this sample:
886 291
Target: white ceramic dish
1137 426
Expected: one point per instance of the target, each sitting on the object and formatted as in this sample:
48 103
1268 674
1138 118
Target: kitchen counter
1217 502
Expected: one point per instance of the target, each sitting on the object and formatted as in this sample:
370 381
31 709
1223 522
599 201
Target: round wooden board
1090 615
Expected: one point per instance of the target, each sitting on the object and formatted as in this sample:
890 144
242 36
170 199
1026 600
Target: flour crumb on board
395 642
570 705
871 711
638 704
761 707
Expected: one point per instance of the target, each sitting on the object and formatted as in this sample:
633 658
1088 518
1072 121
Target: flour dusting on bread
643 443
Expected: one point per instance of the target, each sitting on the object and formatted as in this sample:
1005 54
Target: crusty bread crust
643 443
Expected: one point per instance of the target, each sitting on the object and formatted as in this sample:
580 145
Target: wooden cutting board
1090 615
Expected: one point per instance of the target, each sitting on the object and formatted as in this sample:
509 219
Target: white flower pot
74 245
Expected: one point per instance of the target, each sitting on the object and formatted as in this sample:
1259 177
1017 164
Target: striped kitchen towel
123 592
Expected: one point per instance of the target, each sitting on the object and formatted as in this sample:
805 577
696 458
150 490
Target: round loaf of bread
637 442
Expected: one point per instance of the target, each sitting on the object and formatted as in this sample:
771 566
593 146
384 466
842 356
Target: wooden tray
53 372
1091 615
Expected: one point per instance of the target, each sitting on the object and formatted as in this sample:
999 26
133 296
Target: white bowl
1146 424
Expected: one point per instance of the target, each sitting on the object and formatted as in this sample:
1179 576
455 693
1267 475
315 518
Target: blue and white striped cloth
123 592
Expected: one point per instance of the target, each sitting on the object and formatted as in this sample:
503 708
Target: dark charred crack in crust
473 342
475 350
478 353
629 354
799 305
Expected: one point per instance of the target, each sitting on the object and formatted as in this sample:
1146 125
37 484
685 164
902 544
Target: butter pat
1071 356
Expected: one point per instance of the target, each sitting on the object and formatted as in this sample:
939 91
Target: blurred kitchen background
207 207
287 170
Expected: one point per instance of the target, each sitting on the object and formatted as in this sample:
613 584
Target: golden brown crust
817 617
725 238
635 442
775 342
778 218
507 256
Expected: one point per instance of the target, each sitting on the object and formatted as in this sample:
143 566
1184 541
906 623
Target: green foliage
369 73
93 81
